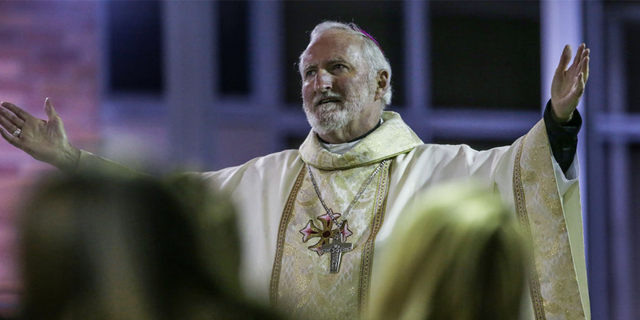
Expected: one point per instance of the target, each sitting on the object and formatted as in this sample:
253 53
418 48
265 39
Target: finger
586 53
578 57
11 118
14 141
585 69
8 125
15 109
576 67
580 87
48 108
564 59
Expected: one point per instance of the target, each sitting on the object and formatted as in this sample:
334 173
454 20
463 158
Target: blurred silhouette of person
459 255
106 247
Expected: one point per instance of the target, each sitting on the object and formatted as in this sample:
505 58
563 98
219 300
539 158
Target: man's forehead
312 60
332 45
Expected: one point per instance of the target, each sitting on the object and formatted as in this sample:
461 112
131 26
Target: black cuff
563 138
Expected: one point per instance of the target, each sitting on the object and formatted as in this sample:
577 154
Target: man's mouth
327 100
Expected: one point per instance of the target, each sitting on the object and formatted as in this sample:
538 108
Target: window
486 55
233 47
135 47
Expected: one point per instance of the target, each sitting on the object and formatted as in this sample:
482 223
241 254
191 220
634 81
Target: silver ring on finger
17 133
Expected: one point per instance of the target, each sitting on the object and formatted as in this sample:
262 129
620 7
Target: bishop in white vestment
315 221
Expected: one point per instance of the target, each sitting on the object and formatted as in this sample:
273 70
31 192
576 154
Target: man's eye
339 67
310 73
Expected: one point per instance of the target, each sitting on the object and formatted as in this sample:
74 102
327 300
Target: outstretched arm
45 140
568 84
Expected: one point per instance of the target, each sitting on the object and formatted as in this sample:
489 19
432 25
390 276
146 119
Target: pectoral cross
339 235
337 247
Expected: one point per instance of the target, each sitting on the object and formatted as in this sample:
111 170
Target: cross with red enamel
326 234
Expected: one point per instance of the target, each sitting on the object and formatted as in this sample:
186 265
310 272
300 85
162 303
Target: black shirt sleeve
563 138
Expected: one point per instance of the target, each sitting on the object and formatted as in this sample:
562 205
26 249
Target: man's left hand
568 84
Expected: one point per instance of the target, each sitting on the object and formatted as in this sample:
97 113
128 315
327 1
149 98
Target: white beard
330 117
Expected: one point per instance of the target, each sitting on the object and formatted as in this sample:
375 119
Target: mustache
325 96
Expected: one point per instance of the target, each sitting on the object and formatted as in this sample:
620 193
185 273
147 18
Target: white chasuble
277 200
302 283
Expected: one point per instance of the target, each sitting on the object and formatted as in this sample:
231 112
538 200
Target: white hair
371 52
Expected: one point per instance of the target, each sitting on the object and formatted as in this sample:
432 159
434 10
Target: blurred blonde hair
458 255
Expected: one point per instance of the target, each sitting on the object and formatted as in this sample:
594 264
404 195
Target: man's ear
382 80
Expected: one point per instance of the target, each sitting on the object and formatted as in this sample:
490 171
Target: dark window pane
382 19
486 54
135 46
632 68
233 47
294 141
634 223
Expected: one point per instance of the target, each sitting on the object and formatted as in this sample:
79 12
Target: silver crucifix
337 247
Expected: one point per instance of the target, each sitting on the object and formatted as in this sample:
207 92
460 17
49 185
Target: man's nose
324 81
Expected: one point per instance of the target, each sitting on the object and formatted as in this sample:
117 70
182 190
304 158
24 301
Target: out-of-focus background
203 85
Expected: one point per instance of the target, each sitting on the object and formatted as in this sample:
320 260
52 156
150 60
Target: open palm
44 140
568 84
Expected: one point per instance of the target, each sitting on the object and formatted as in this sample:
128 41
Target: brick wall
47 48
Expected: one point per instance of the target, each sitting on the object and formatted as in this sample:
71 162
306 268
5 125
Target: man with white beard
315 221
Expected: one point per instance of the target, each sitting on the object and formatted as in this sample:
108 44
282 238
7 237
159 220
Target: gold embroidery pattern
284 221
367 259
521 211
306 288
554 262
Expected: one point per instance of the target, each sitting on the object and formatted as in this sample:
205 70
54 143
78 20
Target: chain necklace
341 232
355 199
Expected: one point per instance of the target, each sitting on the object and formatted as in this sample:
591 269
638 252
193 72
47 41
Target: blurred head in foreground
459 255
101 247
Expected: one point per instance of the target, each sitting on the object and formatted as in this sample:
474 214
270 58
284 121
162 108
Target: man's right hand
43 140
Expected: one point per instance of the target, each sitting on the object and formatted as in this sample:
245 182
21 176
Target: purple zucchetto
370 37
